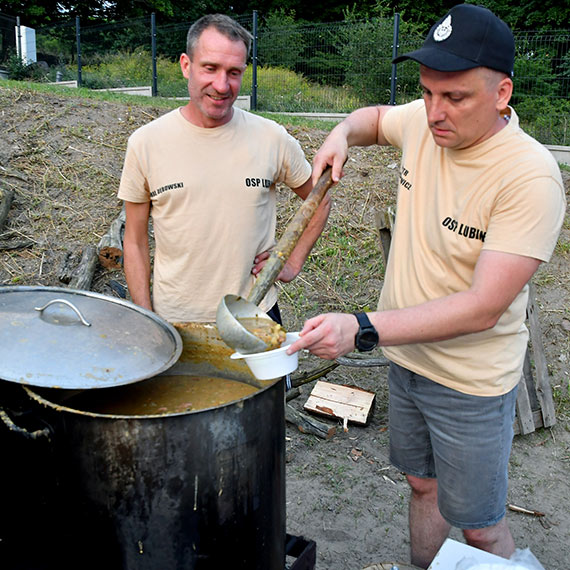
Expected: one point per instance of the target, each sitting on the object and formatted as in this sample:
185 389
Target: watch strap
363 321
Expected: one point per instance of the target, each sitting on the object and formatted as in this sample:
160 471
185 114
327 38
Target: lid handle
71 305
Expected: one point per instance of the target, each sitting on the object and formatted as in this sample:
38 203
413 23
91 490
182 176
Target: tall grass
283 90
278 89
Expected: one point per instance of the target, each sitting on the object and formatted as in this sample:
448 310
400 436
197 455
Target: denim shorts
462 440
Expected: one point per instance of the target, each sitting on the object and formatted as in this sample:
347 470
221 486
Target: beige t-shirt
213 205
504 194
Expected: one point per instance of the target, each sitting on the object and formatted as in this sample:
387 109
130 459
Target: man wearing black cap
480 206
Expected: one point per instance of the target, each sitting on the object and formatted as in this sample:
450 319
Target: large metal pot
193 490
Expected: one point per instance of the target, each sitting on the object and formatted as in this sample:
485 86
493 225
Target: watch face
367 340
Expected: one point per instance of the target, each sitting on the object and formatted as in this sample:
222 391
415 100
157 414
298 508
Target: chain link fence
310 68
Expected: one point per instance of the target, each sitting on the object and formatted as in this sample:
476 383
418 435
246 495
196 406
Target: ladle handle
289 239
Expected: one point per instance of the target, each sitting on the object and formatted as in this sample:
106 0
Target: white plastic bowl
272 363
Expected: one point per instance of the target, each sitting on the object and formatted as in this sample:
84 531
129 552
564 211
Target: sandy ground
63 157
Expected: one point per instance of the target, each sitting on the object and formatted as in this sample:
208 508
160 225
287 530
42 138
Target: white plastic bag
520 560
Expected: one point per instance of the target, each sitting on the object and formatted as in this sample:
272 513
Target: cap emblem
443 31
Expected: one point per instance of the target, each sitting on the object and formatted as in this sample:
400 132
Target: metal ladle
234 307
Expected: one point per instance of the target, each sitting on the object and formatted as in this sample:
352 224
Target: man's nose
220 83
436 110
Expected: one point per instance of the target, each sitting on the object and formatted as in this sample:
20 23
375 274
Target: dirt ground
62 156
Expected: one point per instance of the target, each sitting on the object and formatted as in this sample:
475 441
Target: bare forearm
440 319
497 280
360 128
137 273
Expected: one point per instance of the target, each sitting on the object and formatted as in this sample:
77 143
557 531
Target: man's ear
504 93
185 65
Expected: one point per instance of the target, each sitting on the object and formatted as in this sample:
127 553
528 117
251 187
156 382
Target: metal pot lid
65 338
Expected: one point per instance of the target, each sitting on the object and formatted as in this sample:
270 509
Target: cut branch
22 244
78 268
309 376
307 424
111 244
84 272
6 197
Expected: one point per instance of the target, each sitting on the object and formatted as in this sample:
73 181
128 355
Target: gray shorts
464 441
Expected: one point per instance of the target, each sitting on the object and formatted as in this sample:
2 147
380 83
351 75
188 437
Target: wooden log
362 361
21 244
384 223
82 275
307 424
111 244
67 265
6 197
292 394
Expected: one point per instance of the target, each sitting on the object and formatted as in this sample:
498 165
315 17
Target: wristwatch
367 336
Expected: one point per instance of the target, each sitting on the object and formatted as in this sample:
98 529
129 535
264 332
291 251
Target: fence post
19 37
395 46
253 102
78 38
154 89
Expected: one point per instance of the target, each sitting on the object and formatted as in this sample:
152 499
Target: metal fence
7 37
320 67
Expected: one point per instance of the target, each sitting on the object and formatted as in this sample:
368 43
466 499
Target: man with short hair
480 205
206 172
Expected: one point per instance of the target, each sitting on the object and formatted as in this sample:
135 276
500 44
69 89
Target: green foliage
131 69
282 90
531 15
546 119
119 70
528 15
57 45
18 70
366 55
533 70
280 41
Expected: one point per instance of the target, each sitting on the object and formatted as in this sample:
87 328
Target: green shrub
281 41
283 90
546 119
19 71
133 69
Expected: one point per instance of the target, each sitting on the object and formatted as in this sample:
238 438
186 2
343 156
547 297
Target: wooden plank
524 415
537 417
543 388
529 379
348 403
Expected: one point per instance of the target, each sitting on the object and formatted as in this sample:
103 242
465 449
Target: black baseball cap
467 36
